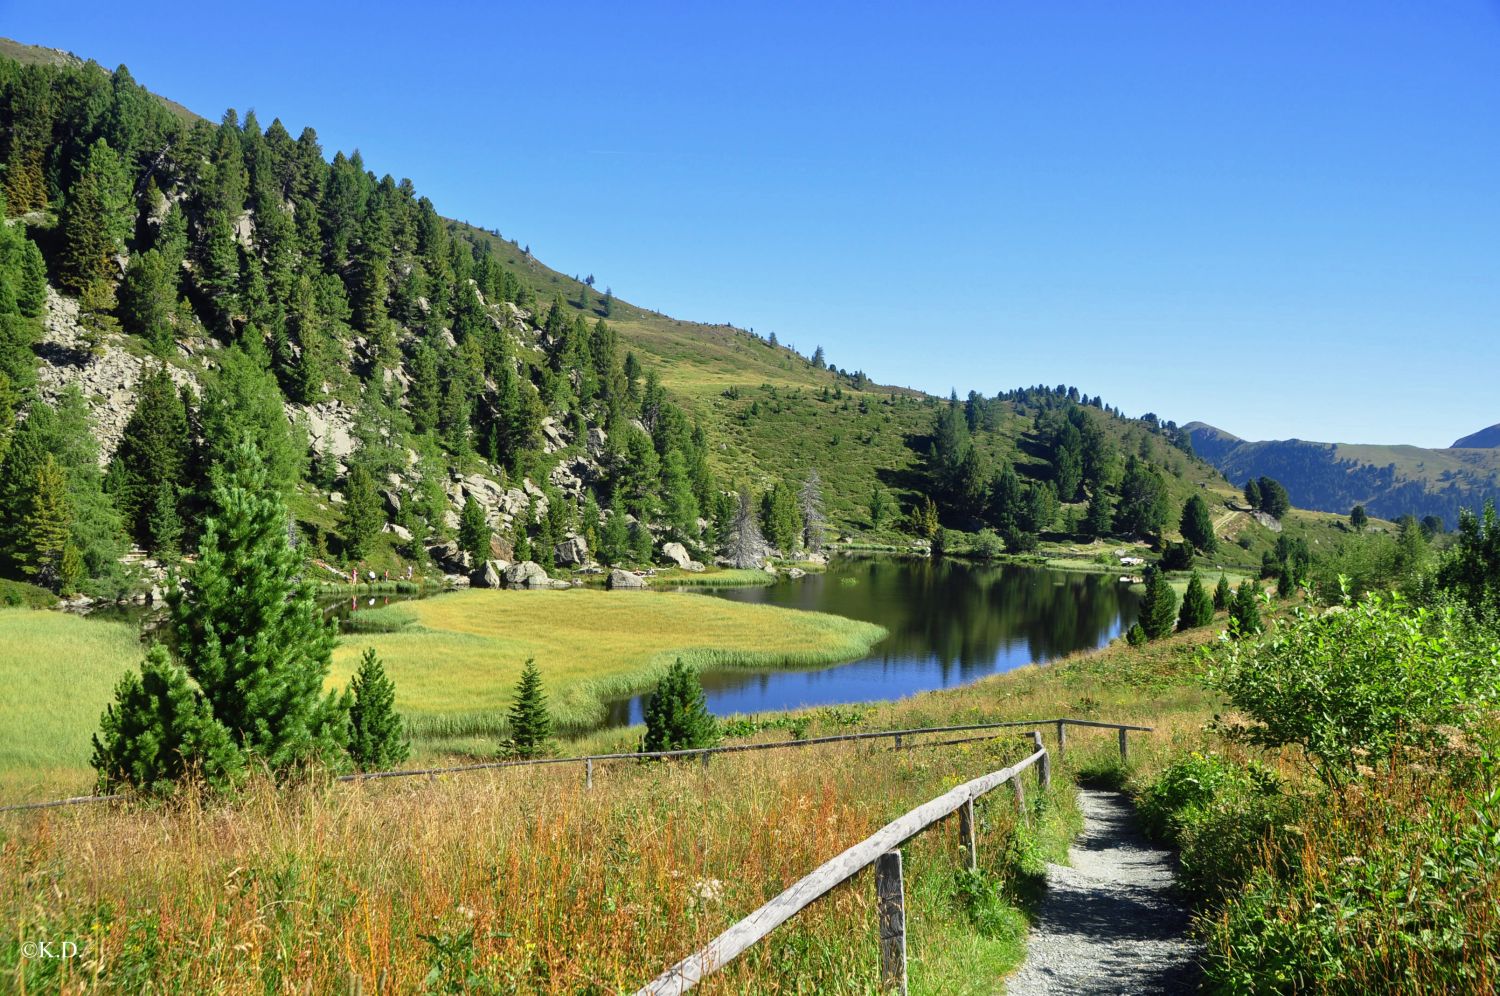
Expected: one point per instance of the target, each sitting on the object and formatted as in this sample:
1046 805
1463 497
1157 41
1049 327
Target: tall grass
58 672
524 881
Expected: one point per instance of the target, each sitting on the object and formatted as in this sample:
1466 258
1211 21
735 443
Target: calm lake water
950 623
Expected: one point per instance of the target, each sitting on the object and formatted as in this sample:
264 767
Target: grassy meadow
456 664
59 672
522 880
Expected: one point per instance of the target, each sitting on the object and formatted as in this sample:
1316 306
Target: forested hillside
1389 481
426 394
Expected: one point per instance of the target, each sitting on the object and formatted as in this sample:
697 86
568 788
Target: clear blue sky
1280 217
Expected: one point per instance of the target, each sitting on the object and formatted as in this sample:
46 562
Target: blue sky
1282 218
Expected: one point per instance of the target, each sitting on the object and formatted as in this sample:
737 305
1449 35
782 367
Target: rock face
493 575
449 558
573 551
625 579
330 427
108 381
526 574
677 554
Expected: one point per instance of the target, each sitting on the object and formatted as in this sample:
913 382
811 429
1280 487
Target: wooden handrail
741 936
705 752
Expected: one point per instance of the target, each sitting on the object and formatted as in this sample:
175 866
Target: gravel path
1110 923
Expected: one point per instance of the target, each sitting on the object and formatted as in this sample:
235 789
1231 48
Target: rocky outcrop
107 379
449 558
572 552
677 554
624 579
330 427
527 574
493 574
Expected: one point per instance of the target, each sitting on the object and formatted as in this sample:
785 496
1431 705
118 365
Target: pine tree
529 719
1223 595
1358 518
1197 605
880 507
242 402
1198 525
744 545
1099 518
810 506
160 730
148 301
147 473
474 532
97 219
677 717
1252 493
1273 497
614 537
45 530
249 630
1244 614
1159 606
679 503
377 738
363 515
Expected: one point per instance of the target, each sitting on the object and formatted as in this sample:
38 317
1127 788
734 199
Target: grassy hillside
1390 481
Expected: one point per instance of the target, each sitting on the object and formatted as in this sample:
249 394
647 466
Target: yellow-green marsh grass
58 672
456 667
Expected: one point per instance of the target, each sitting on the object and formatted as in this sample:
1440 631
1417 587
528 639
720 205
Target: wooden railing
880 850
901 739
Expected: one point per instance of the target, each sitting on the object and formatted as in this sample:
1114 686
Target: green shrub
676 716
1353 684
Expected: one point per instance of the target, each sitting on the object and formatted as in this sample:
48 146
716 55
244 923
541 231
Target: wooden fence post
1044 771
1015 783
588 773
1124 745
705 755
1062 738
890 900
966 834
898 741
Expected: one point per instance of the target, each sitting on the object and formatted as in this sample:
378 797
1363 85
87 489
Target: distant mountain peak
1484 439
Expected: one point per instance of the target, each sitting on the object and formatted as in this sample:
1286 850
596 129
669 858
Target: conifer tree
677 717
529 719
363 515
44 555
474 532
1244 613
377 738
744 546
679 503
1198 525
147 473
159 730
97 218
1197 605
1099 518
1159 606
1358 518
249 630
243 402
148 301
810 507
614 536
1223 594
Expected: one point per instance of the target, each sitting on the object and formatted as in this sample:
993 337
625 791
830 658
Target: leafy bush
1353 684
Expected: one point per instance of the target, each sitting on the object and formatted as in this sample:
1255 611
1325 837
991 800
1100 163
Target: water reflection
950 623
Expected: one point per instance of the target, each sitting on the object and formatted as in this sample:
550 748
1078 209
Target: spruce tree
1159 606
474 532
249 630
1244 614
677 717
1197 605
363 515
97 218
529 719
1198 525
1099 517
159 730
377 739
147 473
1223 595
44 555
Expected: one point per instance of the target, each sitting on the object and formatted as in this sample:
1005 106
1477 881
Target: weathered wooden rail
901 739
880 849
